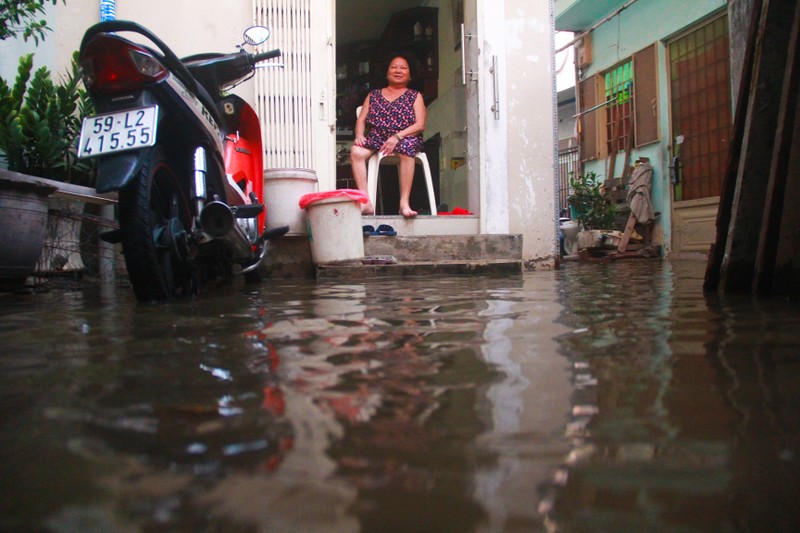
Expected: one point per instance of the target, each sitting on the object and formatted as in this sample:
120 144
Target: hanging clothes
639 193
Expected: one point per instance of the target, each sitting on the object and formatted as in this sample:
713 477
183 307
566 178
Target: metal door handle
496 87
473 74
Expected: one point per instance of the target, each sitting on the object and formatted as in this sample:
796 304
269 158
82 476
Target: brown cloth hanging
639 193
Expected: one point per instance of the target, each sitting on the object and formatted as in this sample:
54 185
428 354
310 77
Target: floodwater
599 397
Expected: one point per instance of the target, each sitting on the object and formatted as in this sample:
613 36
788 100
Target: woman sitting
392 120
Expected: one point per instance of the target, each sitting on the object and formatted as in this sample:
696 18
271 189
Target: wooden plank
64 190
626 235
742 242
772 224
713 274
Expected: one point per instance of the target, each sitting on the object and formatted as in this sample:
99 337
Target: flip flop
386 230
368 230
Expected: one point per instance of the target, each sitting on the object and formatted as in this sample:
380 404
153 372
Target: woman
392 120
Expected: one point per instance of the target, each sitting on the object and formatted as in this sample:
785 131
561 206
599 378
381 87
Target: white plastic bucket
283 187
334 230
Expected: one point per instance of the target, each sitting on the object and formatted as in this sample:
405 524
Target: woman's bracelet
398 137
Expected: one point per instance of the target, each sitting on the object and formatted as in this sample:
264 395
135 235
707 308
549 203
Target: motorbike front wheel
155 219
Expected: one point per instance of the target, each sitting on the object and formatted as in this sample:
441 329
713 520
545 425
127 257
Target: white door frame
324 85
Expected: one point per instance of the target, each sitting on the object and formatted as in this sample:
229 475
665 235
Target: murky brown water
595 398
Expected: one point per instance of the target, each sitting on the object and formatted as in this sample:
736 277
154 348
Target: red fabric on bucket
353 194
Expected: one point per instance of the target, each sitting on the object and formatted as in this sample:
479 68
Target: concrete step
433 248
424 245
431 255
290 257
427 224
354 271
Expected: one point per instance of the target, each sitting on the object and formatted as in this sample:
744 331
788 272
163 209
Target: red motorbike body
244 153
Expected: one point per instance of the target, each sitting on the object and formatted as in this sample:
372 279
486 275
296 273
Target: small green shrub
40 122
591 208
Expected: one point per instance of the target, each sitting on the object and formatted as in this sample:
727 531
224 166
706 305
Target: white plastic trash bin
283 188
334 227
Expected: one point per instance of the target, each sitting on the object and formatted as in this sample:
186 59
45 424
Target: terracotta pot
23 225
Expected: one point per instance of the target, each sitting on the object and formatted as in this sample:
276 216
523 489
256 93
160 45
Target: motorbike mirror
255 35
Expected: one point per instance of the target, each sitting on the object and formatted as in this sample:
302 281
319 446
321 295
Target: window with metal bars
619 91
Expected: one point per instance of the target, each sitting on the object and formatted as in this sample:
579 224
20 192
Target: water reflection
660 442
602 397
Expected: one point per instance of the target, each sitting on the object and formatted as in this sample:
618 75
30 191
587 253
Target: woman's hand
390 144
360 140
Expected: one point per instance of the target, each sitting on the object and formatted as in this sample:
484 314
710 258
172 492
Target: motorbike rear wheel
155 219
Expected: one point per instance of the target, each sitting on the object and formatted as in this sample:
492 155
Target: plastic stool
376 160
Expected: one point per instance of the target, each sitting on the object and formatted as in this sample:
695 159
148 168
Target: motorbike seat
209 102
206 81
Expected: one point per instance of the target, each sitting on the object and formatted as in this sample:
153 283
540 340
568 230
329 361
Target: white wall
68 23
522 198
185 28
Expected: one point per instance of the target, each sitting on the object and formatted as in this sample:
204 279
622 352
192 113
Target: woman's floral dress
385 118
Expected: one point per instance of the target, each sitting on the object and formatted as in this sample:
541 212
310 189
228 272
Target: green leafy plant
40 123
592 209
21 17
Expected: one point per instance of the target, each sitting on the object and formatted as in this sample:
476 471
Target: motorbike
183 154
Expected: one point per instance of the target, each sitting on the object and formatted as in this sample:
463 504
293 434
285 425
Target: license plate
115 132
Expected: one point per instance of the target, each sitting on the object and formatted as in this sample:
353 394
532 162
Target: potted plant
594 212
40 122
39 125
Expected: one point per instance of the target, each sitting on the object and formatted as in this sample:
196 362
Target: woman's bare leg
406 180
358 162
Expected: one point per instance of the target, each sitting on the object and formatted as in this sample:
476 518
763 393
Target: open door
470 65
452 131
303 123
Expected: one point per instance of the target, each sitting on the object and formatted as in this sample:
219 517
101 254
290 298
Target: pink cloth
456 211
353 194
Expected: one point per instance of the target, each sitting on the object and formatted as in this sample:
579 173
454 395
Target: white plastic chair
377 159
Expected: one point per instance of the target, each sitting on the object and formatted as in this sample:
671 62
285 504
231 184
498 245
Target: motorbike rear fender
114 172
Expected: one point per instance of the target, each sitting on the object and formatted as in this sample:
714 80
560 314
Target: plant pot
62 243
598 239
23 225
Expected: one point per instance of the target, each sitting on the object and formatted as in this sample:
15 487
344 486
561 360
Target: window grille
700 92
619 89
284 96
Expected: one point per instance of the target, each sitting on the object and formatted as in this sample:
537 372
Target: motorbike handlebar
257 58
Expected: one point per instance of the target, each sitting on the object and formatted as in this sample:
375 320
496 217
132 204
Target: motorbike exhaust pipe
218 222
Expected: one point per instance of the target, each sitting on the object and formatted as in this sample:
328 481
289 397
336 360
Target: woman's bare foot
367 209
407 212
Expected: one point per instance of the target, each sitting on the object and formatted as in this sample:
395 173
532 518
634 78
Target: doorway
430 31
701 128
